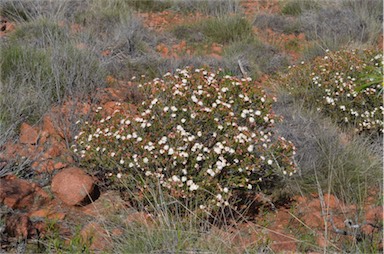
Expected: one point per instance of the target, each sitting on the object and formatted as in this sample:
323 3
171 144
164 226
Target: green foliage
223 29
332 85
150 5
296 7
199 135
255 56
208 7
40 32
54 241
41 66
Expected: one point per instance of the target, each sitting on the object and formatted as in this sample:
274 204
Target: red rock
96 236
117 232
18 226
216 48
374 215
47 213
73 186
44 166
20 194
282 242
54 150
59 165
321 241
313 219
28 134
140 218
108 203
214 55
48 126
331 201
111 107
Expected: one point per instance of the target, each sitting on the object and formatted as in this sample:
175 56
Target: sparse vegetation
331 85
204 153
222 29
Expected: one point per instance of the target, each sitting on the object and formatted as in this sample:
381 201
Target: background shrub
208 8
331 85
277 23
43 68
201 136
340 163
256 57
296 7
222 29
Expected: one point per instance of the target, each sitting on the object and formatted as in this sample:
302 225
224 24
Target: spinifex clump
199 135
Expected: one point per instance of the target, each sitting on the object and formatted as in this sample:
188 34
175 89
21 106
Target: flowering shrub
345 85
199 134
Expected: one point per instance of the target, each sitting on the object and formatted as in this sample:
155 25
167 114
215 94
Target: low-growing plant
223 29
256 57
277 23
150 5
296 7
209 8
199 135
334 26
333 85
42 65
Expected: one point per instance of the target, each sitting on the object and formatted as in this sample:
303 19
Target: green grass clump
43 68
336 85
256 57
223 29
199 135
150 5
296 7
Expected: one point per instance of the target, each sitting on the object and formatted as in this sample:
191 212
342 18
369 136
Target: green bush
42 66
295 7
199 135
256 57
336 85
223 29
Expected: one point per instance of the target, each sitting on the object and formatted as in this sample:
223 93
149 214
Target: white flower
119 175
269 162
249 186
121 161
193 187
225 189
113 154
165 109
250 148
173 108
175 178
194 99
258 112
145 160
211 172
171 151
251 120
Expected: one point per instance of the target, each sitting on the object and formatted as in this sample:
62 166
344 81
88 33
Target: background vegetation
330 99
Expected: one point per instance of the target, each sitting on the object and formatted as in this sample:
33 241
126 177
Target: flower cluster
342 85
199 134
